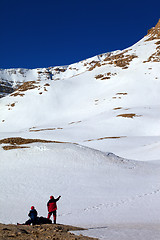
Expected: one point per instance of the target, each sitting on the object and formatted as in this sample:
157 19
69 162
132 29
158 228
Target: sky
45 33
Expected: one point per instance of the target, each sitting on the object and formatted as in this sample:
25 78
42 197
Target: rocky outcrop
6 87
154 33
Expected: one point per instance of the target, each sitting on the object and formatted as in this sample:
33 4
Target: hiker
33 217
52 207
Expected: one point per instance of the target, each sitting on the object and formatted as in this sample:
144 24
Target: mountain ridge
11 79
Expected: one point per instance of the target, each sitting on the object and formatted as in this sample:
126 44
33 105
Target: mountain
119 89
89 132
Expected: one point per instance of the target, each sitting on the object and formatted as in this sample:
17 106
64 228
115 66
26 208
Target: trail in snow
91 181
114 204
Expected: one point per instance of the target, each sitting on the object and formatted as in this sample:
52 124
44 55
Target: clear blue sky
36 33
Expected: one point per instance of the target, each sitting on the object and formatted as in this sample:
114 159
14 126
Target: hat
51 197
32 207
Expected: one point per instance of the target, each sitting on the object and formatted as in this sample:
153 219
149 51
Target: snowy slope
108 103
119 88
91 183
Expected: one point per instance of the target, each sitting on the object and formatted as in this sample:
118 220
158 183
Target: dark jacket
33 214
52 206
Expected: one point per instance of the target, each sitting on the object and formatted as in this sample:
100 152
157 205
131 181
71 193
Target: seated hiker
33 217
52 207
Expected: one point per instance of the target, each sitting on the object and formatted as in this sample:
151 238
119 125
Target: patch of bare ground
73 68
24 87
47 85
42 232
17 93
117 108
44 129
155 57
105 76
118 95
29 86
99 76
58 69
97 64
120 60
128 115
21 141
11 105
74 122
97 139
121 93
12 147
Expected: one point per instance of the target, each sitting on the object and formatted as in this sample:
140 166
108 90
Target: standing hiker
52 207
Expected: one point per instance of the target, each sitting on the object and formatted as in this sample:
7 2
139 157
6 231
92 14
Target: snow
125 232
106 165
98 182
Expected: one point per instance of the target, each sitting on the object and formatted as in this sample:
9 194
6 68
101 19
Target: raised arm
58 198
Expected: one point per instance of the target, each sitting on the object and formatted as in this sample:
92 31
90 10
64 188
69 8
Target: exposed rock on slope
17 142
154 33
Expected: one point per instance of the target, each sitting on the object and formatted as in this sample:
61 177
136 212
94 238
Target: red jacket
52 206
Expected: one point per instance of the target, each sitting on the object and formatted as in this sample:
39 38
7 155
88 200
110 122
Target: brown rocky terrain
40 232
154 32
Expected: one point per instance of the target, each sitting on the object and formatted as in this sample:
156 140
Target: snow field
92 183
